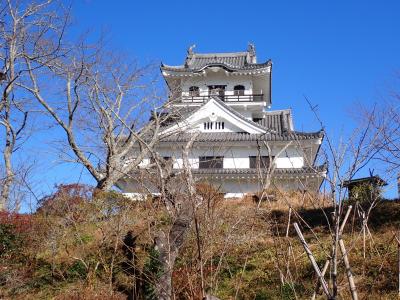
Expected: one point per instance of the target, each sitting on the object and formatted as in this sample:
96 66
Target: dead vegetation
102 247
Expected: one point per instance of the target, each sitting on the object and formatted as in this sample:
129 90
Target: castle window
262 162
217 90
211 162
194 91
239 90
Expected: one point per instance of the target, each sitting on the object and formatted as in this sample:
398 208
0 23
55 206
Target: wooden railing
226 98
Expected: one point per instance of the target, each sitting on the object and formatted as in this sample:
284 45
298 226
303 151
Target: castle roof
254 171
243 137
233 61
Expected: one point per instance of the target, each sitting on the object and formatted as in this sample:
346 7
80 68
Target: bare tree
385 119
178 194
344 162
25 26
102 103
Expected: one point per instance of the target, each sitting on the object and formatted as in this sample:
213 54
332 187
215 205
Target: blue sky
337 53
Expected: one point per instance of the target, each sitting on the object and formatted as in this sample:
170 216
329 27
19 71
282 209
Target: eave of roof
235 171
232 68
244 137
371 179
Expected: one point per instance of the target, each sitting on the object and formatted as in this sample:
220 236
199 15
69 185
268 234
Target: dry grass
281 200
244 249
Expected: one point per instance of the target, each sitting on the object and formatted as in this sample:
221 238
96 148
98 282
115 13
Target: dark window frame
211 162
194 91
238 90
263 162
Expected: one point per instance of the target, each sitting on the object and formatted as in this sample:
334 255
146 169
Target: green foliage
43 274
153 270
366 193
76 270
83 238
287 292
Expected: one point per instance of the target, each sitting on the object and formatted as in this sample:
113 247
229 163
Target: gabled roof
234 61
240 120
276 126
236 113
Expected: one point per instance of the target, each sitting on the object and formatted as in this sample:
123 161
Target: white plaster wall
289 162
261 85
234 157
228 127
236 163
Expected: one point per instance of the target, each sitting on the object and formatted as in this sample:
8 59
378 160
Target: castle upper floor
236 78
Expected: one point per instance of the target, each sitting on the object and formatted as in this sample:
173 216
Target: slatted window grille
214 125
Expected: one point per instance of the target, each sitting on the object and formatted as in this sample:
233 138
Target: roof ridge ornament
190 54
190 51
251 50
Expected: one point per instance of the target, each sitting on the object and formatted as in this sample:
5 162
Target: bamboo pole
288 224
312 260
345 220
318 285
327 261
346 261
349 274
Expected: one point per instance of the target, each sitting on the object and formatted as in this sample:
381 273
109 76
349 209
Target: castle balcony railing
226 98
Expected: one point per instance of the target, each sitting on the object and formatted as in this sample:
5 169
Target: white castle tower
226 98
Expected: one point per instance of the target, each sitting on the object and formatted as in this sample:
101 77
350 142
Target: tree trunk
8 149
105 184
168 247
8 180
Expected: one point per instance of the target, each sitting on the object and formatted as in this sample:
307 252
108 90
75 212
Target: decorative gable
215 116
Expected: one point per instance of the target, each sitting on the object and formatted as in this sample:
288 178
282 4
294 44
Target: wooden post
363 230
312 260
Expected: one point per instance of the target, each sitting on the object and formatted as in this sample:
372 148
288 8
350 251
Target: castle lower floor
237 183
